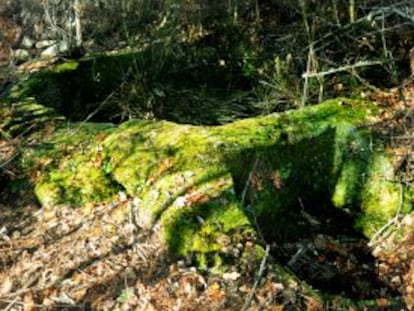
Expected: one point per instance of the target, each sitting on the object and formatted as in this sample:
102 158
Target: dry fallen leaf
214 292
231 276
6 287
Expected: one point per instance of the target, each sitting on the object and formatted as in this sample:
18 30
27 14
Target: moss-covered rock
212 192
200 183
75 88
383 197
183 84
207 187
61 162
72 167
26 116
189 179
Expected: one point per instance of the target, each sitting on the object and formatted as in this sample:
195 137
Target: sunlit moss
382 196
67 66
205 186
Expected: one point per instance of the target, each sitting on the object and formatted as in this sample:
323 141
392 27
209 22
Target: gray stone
27 43
21 55
55 49
45 44
50 52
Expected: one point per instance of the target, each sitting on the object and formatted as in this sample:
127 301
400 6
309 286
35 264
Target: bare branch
340 69
259 277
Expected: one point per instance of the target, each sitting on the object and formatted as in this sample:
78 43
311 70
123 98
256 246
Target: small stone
244 289
232 276
27 43
50 52
21 55
396 280
55 49
44 44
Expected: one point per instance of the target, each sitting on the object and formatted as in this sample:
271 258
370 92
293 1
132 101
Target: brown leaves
214 292
259 178
163 166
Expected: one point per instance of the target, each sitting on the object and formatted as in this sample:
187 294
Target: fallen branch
249 178
340 69
258 278
379 233
11 304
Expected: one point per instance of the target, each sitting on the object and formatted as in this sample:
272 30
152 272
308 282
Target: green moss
382 197
26 116
67 66
163 164
75 88
352 154
67 166
205 186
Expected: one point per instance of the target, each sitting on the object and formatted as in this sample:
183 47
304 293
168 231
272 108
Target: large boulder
202 184
201 190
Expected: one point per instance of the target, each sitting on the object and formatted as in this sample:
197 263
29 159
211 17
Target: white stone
50 52
21 55
231 276
27 43
45 44
63 46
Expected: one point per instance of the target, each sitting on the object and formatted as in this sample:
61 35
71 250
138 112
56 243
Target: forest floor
69 259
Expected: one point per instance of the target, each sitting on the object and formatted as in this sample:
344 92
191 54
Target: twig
93 113
19 292
6 162
408 17
258 278
342 68
243 197
40 306
390 222
11 304
306 76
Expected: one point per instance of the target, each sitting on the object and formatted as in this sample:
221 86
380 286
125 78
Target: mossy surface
209 191
205 186
23 117
75 88
62 163
383 197
258 167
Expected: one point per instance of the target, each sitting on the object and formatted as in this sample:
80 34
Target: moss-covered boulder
75 88
206 187
26 116
210 193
